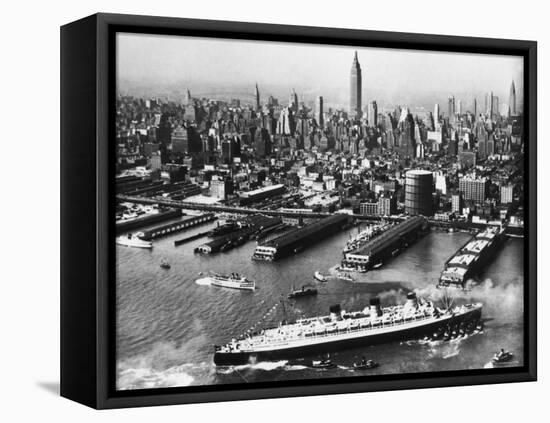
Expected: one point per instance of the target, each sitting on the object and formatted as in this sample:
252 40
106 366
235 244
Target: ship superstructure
341 329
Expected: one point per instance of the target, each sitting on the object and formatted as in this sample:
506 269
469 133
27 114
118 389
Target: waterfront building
456 203
156 162
387 204
221 187
418 192
368 208
355 88
474 189
507 194
249 197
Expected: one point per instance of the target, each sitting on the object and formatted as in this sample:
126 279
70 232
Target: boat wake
265 366
145 378
203 281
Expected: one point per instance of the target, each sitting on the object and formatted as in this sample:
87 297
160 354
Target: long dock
140 222
190 238
170 228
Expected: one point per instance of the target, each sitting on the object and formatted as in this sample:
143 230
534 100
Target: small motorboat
323 364
345 277
365 365
321 278
377 265
164 264
502 357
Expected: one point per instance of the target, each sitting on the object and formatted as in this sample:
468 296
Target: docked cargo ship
470 259
233 281
340 330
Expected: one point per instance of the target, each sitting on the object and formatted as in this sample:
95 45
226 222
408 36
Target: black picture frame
87 229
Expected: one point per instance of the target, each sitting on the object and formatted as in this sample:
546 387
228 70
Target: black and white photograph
295 211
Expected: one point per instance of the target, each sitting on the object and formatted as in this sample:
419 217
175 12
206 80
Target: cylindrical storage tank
418 192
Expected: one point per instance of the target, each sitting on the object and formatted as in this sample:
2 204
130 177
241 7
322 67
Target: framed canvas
255 211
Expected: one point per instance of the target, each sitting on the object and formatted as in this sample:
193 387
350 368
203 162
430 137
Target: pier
151 219
182 225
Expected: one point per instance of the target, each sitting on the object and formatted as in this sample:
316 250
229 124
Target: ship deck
318 331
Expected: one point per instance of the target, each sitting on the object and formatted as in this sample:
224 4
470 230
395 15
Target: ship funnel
375 309
335 311
412 301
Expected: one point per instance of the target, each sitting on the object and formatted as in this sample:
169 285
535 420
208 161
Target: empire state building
355 89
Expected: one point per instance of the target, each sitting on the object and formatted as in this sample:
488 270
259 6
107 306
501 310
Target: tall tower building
187 100
319 112
451 108
293 101
437 113
372 114
475 108
512 101
257 98
355 88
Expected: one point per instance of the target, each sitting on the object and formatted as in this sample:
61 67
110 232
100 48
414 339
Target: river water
167 324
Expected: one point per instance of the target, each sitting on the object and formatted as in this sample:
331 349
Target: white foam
203 281
144 378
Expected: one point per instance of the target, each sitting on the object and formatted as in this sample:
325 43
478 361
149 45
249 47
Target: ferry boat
320 277
233 281
341 330
133 240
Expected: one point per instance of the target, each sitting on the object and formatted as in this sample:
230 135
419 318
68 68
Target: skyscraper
451 108
512 101
436 112
355 88
373 114
293 102
257 98
319 112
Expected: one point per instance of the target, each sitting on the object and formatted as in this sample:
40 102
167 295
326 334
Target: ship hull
401 334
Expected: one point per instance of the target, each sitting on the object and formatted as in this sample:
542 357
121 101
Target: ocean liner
341 330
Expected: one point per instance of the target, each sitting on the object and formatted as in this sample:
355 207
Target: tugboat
324 363
321 278
302 292
164 264
134 240
365 364
502 357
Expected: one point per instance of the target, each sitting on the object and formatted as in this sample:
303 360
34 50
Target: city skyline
391 77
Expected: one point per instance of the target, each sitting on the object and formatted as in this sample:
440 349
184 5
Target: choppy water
167 324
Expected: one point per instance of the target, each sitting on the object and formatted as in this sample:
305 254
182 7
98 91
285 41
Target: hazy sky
155 64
